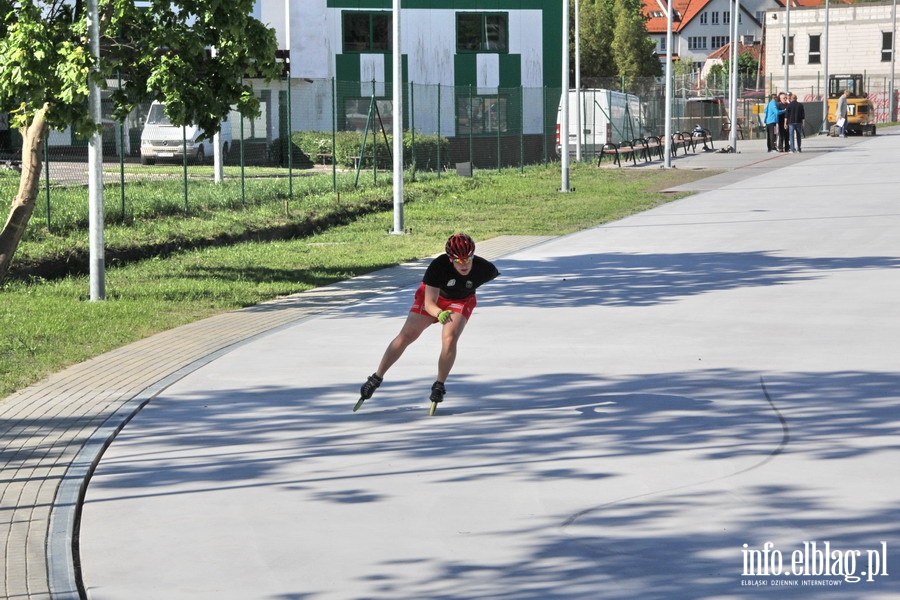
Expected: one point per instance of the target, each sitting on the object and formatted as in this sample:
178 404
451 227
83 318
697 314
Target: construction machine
860 110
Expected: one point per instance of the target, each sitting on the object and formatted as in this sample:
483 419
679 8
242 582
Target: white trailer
606 117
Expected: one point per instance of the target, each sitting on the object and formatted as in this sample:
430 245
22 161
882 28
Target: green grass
48 323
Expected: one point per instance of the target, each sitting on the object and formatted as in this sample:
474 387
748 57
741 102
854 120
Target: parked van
606 117
162 141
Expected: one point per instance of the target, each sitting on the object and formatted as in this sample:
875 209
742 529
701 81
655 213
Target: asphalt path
636 411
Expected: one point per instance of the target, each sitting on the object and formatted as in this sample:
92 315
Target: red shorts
465 307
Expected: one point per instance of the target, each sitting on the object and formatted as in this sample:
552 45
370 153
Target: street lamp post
787 46
892 103
579 129
825 73
564 111
668 110
732 137
397 98
97 266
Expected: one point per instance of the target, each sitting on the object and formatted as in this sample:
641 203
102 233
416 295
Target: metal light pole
787 46
95 167
732 136
667 161
397 88
564 112
892 102
578 103
825 64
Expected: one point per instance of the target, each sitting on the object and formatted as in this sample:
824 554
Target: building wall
854 44
312 31
747 26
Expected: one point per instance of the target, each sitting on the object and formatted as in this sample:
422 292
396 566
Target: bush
423 155
300 158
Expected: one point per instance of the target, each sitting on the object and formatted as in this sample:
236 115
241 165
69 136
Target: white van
162 141
606 117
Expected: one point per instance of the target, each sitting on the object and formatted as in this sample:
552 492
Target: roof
724 53
684 11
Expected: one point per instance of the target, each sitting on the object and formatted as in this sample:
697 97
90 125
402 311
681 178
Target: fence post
412 125
121 156
184 164
497 124
521 129
470 124
290 143
243 177
544 120
47 176
439 164
333 134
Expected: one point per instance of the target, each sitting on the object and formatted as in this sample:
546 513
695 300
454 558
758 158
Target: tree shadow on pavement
560 429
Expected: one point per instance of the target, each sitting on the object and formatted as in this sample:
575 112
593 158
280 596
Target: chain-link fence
340 133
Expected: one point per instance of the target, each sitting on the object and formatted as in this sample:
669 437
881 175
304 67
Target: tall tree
614 41
597 23
633 50
161 52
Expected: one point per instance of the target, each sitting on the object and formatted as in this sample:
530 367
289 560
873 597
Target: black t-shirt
441 274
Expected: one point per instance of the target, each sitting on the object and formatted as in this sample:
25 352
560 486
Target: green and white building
480 72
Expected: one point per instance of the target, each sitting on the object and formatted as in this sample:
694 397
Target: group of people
784 117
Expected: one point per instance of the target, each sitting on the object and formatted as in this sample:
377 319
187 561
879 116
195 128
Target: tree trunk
23 204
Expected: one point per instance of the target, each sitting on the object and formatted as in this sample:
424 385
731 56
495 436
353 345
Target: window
887 46
367 32
657 14
359 112
815 54
482 32
697 43
726 17
481 114
719 40
790 51
715 17
662 44
761 16
704 18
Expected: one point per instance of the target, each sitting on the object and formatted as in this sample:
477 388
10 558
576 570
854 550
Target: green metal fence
340 135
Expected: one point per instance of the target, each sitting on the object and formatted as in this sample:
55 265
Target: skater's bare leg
450 333
413 327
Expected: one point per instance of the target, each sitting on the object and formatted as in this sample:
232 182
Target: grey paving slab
637 409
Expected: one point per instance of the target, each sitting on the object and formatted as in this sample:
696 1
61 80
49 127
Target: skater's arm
431 297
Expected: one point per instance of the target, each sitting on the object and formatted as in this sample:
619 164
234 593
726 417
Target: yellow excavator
860 110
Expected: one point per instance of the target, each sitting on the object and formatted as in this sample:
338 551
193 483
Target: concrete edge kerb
62 550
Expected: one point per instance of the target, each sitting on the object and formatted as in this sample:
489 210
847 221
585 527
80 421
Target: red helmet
460 245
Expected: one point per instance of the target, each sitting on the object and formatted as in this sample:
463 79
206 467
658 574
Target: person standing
446 296
783 99
842 113
795 117
770 118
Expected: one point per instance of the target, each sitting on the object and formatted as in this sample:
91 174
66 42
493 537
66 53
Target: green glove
444 316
